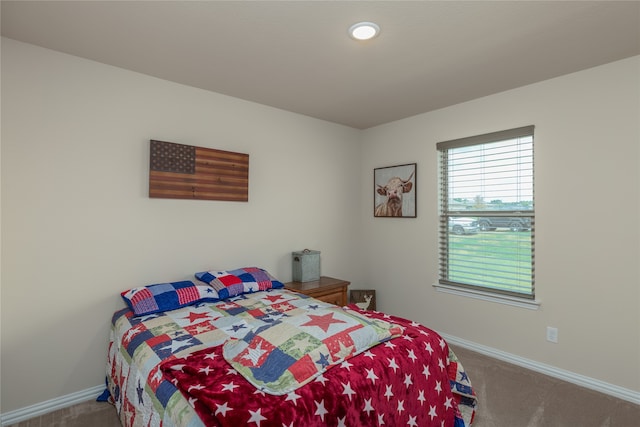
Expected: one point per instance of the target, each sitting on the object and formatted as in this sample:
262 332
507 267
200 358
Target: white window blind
487 216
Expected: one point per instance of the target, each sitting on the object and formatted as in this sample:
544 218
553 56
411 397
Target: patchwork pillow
167 296
230 283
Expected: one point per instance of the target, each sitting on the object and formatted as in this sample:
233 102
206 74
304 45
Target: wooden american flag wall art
178 171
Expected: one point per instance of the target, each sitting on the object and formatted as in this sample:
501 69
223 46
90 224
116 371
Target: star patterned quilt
302 344
169 368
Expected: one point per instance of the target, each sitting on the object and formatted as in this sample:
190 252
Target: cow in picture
393 190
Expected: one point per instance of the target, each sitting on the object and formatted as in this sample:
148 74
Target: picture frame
394 191
220 175
365 299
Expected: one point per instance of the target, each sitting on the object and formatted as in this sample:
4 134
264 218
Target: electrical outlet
552 334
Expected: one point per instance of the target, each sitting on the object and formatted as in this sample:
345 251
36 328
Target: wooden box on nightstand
325 289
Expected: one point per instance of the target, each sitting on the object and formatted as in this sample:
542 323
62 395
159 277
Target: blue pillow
229 283
167 296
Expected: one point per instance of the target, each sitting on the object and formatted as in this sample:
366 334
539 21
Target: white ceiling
296 55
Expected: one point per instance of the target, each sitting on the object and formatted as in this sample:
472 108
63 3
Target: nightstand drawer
327 289
336 298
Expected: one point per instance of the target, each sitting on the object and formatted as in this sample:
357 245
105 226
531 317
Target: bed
235 348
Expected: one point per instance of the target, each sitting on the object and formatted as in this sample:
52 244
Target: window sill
488 296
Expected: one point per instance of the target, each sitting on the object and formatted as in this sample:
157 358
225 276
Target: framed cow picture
394 191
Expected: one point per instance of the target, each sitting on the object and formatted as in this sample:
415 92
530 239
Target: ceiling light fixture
364 30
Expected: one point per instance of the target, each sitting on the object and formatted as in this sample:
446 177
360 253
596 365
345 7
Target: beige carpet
509 396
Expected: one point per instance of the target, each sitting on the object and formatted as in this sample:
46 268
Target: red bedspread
408 380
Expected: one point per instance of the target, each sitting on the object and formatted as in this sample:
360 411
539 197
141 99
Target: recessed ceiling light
364 30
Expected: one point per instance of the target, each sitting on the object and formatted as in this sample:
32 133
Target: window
487 213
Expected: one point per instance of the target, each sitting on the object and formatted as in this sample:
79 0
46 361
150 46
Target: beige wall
78 227
587 194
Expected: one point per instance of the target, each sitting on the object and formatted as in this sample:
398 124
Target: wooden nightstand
326 289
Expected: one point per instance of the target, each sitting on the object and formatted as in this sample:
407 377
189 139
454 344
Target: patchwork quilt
169 368
302 344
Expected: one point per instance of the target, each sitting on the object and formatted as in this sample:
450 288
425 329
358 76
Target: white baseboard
571 377
38 409
45 407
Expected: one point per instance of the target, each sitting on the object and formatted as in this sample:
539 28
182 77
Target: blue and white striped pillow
167 296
